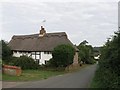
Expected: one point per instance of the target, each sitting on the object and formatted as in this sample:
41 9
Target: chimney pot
42 31
41 27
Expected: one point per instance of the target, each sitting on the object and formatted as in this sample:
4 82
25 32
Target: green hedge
63 55
25 62
108 73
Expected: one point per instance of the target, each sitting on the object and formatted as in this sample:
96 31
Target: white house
39 46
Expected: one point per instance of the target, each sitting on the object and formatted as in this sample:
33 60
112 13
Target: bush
63 55
6 52
25 63
108 73
50 63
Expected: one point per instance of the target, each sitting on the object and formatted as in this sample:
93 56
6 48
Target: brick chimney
42 32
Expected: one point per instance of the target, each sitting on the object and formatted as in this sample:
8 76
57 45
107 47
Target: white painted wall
44 57
97 57
18 54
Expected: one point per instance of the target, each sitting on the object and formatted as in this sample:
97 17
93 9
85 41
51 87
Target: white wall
18 54
44 57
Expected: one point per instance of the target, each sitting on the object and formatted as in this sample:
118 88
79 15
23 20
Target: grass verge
34 75
31 75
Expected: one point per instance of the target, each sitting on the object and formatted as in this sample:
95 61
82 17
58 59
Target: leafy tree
6 51
63 55
85 52
83 43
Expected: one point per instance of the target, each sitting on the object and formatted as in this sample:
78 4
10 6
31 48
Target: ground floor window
47 52
36 56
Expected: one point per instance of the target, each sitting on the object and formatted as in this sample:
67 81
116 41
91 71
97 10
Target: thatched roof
36 43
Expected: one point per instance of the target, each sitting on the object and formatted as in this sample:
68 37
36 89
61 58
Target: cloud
38 1
91 21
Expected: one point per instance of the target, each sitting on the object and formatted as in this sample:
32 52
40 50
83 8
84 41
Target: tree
6 51
63 55
83 42
85 52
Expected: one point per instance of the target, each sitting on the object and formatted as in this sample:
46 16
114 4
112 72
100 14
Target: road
79 79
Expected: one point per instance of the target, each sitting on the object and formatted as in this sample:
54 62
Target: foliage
1 50
6 51
96 51
108 74
63 55
50 63
85 52
25 63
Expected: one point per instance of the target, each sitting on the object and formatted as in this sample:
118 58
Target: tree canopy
6 51
85 52
63 55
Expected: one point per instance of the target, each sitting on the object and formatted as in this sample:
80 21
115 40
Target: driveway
79 79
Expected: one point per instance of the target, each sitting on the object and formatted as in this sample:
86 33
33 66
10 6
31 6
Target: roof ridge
38 34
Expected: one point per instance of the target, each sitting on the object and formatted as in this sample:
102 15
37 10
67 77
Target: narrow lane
79 79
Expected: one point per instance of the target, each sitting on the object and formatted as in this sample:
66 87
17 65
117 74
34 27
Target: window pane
37 56
33 56
37 52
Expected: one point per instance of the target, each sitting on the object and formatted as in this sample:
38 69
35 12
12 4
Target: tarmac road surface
79 79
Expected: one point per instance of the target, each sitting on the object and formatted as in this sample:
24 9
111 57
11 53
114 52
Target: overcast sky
92 21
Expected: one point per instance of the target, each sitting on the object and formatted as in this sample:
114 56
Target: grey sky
91 21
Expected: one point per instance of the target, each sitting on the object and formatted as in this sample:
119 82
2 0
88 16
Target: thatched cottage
39 46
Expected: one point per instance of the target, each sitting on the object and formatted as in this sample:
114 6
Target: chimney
42 32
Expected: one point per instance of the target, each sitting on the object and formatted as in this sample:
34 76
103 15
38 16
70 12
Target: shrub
108 73
63 55
50 63
25 63
6 51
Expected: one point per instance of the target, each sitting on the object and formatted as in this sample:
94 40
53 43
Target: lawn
30 75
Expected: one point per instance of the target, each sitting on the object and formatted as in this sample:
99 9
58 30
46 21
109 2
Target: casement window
36 56
47 52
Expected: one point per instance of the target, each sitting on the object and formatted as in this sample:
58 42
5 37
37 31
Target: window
36 55
47 52
46 61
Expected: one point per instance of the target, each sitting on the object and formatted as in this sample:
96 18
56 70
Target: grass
34 75
31 75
